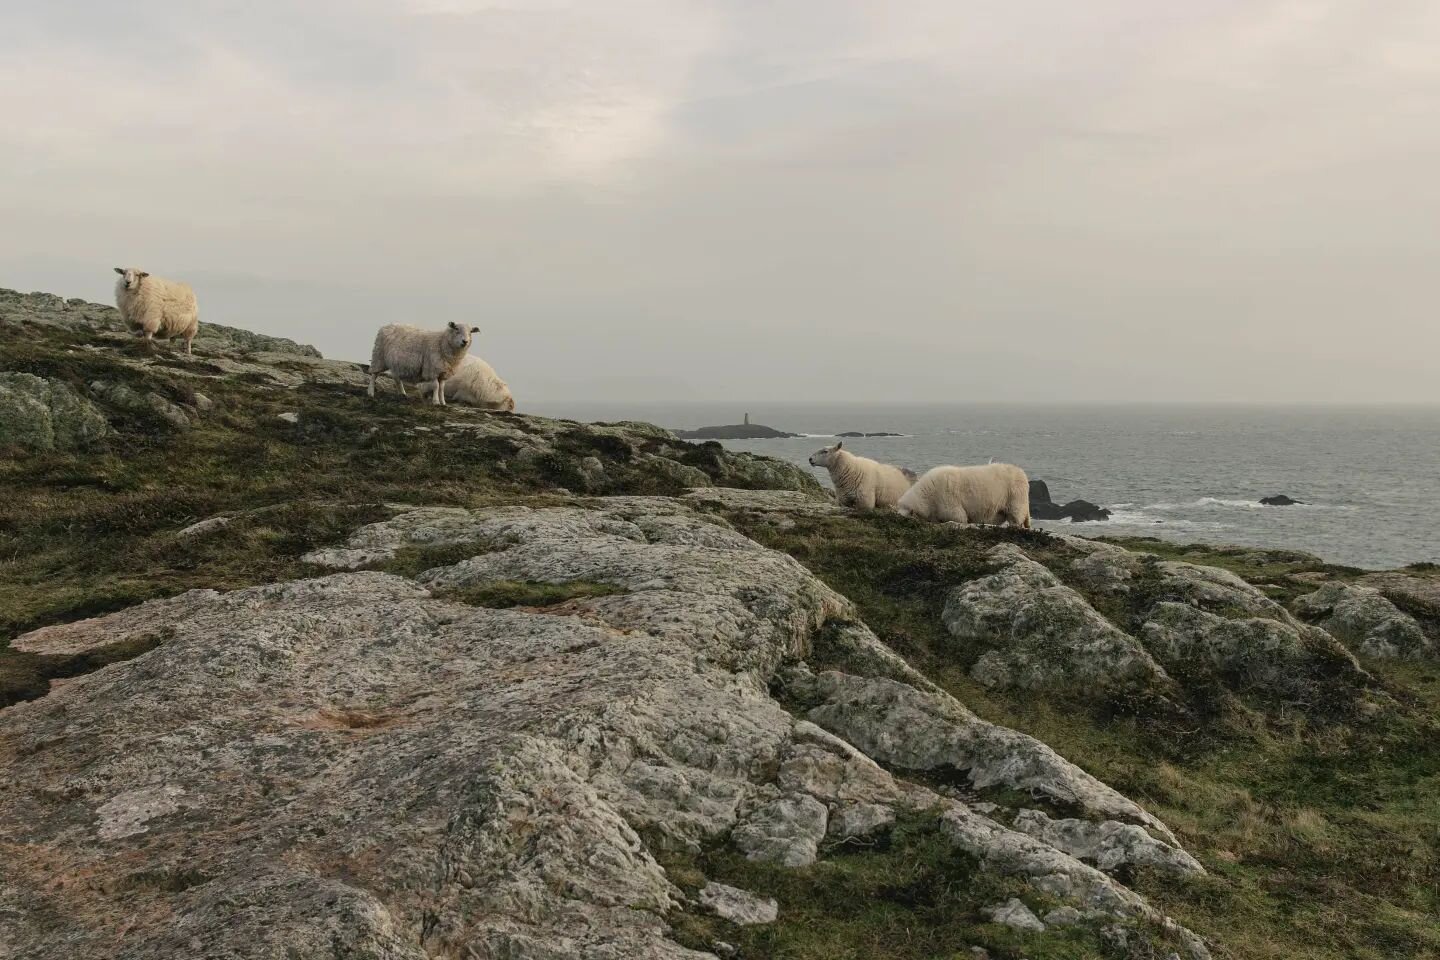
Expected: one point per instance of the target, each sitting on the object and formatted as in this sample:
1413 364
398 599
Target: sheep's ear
839 444
452 326
120 270
142 274
474 329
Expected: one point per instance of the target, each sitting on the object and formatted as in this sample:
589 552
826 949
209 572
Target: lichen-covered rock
787 831
1042 633
1107 844
352 765
1249 651
40 414
910 729
120 396
738 906
1363 619
860 820
1013 913
780 503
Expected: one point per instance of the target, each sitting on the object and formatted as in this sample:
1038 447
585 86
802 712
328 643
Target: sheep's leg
952 515
439 398
399 383
189 352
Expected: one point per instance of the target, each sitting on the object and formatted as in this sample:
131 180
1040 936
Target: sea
1369 476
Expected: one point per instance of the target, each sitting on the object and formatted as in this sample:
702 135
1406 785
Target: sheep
992 493
861 482
476 384
151 306
410 354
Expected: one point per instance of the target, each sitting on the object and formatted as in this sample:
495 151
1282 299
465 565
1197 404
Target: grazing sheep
411 355
860 482
476 384
152 306
992 493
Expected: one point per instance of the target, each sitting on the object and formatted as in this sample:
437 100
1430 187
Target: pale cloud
1039 200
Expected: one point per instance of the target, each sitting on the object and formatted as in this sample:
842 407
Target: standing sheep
992 493
861 482
410 354
475 383
153 306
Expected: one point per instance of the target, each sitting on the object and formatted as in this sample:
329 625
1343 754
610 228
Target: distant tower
747 419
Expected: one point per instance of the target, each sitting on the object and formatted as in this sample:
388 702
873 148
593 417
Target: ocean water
1370 476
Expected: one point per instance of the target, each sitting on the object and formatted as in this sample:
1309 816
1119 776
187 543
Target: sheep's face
825 455
460 336
131 277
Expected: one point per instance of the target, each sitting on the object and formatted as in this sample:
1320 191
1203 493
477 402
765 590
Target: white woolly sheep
412 355
156 307
993 493
475 383
861 482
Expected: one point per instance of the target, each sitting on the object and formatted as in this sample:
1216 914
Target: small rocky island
736 431
1280 500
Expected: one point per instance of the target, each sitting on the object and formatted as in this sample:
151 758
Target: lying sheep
861 482
476 384
152 306
993 493
411 355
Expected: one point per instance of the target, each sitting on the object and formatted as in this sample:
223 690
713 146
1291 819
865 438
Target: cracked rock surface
354 765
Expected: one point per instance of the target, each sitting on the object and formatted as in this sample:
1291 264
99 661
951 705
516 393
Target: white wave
1139 518
1228 503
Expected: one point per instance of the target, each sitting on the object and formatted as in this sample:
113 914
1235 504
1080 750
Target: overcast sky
1118 200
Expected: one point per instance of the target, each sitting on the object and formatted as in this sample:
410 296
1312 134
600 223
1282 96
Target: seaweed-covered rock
41 414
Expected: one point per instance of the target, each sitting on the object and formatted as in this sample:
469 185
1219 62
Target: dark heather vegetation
1318 821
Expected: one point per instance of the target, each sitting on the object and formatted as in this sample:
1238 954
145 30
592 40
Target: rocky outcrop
1108 845
1076 511
1038 633
1042 633
149 402
44 415
49 310
1362 618
355 765
1280 500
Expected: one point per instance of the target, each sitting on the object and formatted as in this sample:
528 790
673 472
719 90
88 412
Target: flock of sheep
992 493
438 360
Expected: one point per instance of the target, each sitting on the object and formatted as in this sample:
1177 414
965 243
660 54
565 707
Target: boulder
41 414
1280 500
1014 914
1042 634
738 906
1366 621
